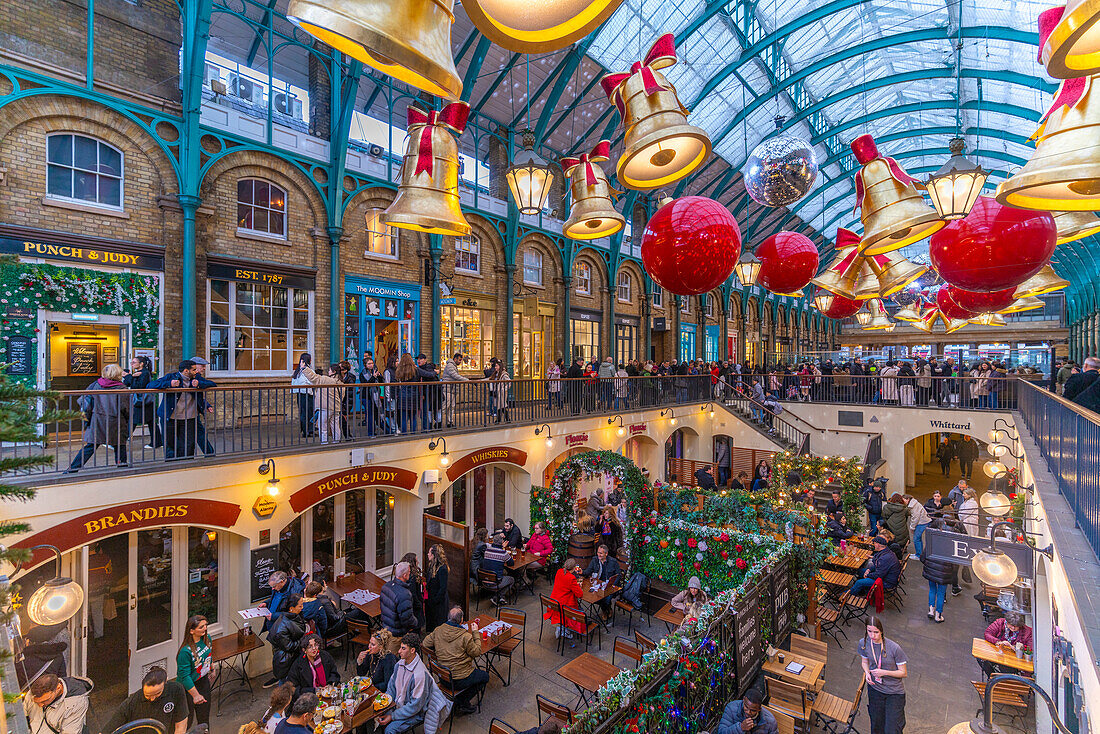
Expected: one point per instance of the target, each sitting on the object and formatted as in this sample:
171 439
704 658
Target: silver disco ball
780 171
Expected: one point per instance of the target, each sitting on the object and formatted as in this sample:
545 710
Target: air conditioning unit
247 89
287 104
375 150
213 72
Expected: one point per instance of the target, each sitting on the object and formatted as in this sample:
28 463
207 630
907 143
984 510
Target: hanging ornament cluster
427 197
660 146
593 215
690 245
1069 39
837 307
531 27
859 277
781 169
787 262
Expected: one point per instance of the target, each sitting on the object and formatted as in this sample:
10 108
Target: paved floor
939 693
932 479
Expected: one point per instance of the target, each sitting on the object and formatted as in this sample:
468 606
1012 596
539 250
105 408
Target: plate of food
328 692
329 712
364 684
329 727
381 702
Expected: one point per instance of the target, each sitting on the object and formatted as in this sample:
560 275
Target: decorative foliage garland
817 472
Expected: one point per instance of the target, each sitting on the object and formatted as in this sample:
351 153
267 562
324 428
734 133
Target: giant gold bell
1072 49
1075 225
880 319
1064 172
409 40
428 201
593 214
1045 281
661 147
894 274
842 277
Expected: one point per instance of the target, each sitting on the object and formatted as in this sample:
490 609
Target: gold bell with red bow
843 276
893 274
593 214
1064 172
409 40
661 147
1069 39
427 197
893 212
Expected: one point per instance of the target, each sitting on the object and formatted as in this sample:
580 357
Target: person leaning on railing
329 400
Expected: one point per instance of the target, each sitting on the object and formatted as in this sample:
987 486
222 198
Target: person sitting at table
747 716
286 637
567 592
282 586
550 726
938 505
408 688
281 696
742 481
835 504
691 595
539 545
319 609
300 720
481 542
704 477
602 568
513 536
892 544
611 532
457 648
883 565
314 668
1005 634
377 662
495 561
837 527
397 605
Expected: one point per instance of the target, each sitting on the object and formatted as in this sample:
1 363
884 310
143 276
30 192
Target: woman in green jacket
895 516
193 668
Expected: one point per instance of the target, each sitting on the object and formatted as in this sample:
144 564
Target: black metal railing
768 416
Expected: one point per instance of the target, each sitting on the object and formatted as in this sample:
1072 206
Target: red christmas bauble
949 308
690 245
787 262
994 247
982 302
842 308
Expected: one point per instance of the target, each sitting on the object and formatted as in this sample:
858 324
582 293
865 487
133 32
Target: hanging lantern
955 187
840 307
823 300
1069 39
880 319
427 197
994 247
409 40
1045 281
949 308
690 245
981 302
1024 304
661 147
747 269
787 262
863 317
531 27
592 215
892 210
1075 225
1064 172
529 178
780 170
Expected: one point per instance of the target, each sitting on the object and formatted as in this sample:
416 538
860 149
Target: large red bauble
842 308
949 308
787 262
994 247
690 245
982 302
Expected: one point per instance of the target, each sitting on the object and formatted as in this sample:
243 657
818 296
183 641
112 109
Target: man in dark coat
968 454
397 606
1083 388
179 412
575 386
883 565
704 477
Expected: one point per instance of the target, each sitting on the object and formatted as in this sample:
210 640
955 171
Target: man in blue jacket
747 716
409 688
883 565
397 605
179 412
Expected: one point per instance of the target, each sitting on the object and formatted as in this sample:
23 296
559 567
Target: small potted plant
1027 654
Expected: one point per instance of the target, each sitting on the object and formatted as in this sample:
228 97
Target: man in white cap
204 444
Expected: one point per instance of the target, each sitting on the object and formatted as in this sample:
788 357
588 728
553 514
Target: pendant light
747 269
522 25
955 187
530 176
56 600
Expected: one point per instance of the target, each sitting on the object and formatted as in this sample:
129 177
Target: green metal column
189 280
436 252
336 290
567 285
612 296
647 317
89 61
509 308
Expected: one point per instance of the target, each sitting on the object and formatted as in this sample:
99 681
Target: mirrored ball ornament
780 171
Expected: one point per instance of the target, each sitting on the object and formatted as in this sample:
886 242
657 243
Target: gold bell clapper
893 212
409 40
894 274
1064 172
1075 225
661 147
532 26
593 214
427 197
1045 281
1069 39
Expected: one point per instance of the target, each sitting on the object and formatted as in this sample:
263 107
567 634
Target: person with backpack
57 704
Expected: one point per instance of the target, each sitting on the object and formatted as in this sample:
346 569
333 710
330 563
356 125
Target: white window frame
472 247
232 325
623 287
249 231
377 231
685 306
537 254
72 167
658 296
711 302
582 274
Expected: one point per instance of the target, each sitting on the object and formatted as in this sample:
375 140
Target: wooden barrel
582 547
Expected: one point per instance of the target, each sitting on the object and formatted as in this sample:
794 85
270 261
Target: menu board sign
19 355
750 644
781 600
265 562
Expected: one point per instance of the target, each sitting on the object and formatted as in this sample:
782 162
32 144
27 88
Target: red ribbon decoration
896 172
600 153
452 117
661 55
1069 94
1048 19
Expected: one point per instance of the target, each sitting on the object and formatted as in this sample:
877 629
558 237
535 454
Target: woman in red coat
567 592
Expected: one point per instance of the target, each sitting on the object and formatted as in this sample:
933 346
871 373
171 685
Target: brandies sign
365 476
950 547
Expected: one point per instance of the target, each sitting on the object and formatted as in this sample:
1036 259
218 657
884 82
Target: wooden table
672 618
365 580
854 558
366 712
587 673
809 676
592 598
835 578
983 650
492 643
227 649
520 561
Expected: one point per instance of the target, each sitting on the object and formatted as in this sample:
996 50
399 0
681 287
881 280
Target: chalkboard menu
750 643
83 359
19 355
781 601
265 561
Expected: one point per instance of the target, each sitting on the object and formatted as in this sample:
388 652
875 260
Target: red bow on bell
600 153
452 117
661 56
866 151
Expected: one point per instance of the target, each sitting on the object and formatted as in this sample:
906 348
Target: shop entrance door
153 624
76 352
405 337
478 498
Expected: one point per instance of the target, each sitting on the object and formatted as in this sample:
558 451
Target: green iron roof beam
505 70
573 107
260 32
538 94
565 73
474 34
469 79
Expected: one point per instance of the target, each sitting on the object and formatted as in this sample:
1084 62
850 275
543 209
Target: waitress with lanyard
194 667
885 667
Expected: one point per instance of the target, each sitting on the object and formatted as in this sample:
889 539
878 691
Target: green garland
817 472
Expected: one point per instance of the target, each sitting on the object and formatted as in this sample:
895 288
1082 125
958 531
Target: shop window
532 267
710 300
154 578
626 342
261 208
685 304
585 338
79 168
381 238
623 287
202 573
658 296
324 524
257 328
582 278
468 254
290 547
470 331
383 553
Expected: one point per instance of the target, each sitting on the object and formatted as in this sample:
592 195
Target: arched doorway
924 473
485 496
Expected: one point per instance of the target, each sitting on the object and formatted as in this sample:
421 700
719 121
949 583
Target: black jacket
885 565
930 505
436 607
1089 396
397 608
301 674
1076 384
945 453
514 537
938 572
285 638
704 480
836 531
610 568
378 669
873 500
831 508
968 450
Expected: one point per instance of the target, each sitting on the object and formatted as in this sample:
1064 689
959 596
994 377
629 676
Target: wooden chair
644 642
833 712
488 581
828 622
516 618
791 700
1009 697
784 724
446 685
550 709
580 619
852 606
496 726
810 648
358 634
548 605
630 649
